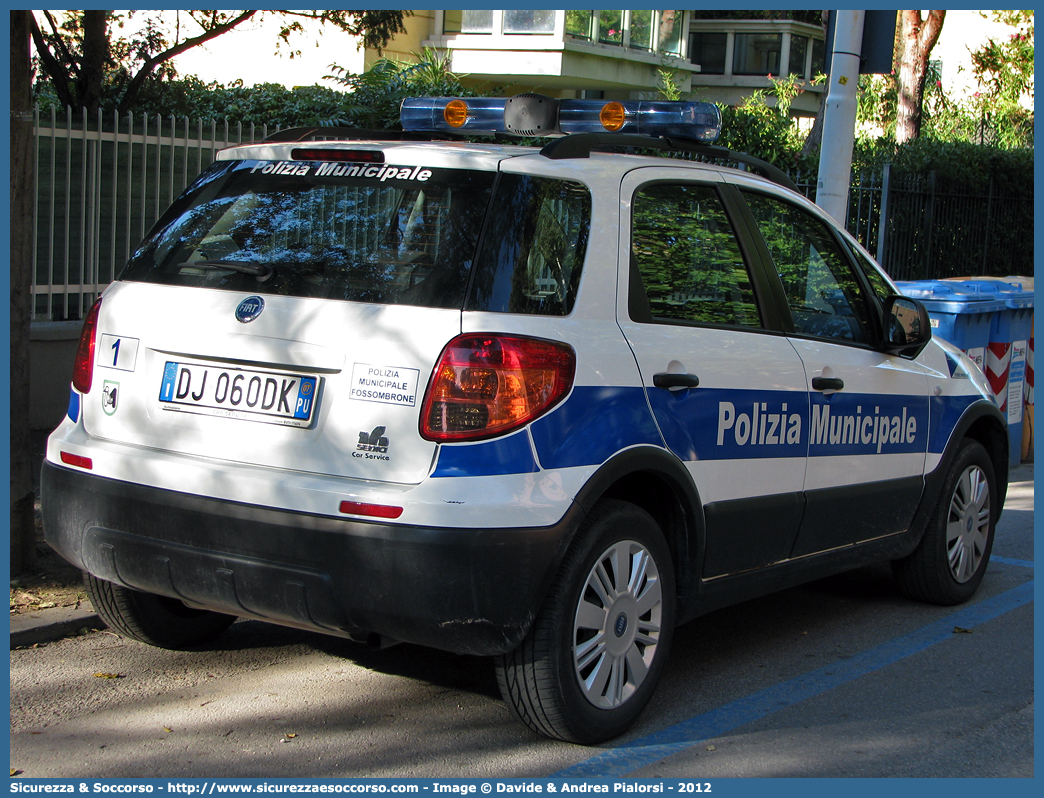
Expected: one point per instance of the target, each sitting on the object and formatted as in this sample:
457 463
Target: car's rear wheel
157 620
591 661
948 565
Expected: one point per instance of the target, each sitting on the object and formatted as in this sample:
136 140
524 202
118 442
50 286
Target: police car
537 403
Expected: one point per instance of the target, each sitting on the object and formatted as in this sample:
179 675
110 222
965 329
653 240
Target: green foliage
374 97
962 164
262 104
1004 71
762 130
668 88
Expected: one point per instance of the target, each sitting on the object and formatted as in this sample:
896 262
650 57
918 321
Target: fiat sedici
541 404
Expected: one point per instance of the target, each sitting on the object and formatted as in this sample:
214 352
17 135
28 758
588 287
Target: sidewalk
44 626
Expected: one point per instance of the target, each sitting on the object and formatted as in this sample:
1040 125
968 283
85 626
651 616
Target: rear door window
533 247
688 258
357 232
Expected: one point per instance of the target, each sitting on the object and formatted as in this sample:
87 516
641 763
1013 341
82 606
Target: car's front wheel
948 565
157 620
591 661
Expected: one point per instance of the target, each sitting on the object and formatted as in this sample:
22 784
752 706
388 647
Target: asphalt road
838 678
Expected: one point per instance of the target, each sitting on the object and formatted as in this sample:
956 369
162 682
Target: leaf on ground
110 675
16 772
960 630
167 729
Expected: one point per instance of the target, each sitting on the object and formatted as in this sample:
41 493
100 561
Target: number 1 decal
124 352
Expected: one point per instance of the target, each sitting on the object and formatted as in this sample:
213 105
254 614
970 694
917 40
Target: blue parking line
644 751
1010 561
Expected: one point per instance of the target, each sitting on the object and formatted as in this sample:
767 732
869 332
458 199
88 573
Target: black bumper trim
469 591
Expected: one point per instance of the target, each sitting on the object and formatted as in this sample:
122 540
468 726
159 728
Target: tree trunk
95 57
814 139
917 37
23 531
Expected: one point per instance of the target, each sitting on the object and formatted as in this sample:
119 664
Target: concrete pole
839 113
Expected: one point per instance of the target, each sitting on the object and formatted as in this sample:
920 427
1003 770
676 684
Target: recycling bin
1008 351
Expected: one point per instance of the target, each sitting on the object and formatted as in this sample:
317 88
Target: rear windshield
357 232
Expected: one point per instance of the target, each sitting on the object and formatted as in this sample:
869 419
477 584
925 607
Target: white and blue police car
537 403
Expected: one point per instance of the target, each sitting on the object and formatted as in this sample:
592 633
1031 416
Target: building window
578 23
757 53
818 57
708 50
641 30
528 20
798 49
610 27
477 21
473 21
670 33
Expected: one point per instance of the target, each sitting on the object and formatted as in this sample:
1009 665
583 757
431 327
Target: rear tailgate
309 385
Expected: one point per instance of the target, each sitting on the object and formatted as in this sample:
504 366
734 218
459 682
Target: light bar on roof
697 121
479 115
537 115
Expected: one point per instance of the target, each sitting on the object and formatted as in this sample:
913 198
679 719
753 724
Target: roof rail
292 134
580 145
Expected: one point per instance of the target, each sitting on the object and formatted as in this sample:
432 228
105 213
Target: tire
948 564
157 620
591 662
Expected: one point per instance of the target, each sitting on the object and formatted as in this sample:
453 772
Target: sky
248 53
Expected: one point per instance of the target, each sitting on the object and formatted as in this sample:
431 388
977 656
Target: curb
45 626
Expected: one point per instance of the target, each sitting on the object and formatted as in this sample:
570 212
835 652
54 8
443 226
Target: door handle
827 383
670 380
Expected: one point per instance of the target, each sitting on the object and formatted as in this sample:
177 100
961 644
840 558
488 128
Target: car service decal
373 445
392 385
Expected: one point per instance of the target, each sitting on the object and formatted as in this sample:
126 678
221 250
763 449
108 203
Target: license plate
287 399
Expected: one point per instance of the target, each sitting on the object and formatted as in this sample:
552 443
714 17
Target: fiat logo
249 309
621 625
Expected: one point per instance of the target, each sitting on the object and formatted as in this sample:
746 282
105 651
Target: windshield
358 232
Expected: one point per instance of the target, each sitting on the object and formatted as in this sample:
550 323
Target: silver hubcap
968 524
617 624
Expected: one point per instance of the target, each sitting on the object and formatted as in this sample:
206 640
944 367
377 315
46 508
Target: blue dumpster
1008 349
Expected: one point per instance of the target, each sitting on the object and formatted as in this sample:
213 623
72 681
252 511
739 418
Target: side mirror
907 326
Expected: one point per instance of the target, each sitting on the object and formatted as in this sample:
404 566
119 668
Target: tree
85 62
917 37
1004 71
23 531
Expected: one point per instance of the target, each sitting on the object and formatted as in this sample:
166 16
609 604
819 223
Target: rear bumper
470 591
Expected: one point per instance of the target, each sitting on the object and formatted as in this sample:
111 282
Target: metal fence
103 182
919 230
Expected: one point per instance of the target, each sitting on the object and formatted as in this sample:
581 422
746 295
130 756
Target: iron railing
101 183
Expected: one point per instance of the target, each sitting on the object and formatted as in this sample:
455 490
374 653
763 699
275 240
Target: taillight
83 366
486 385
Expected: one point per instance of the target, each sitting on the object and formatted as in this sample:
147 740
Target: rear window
332 231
